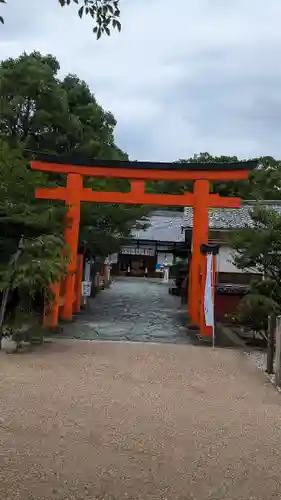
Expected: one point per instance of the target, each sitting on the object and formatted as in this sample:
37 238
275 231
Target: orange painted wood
71 235
138 188
61 301
200 199
78 283
51 311
128 173
137 196
59 193
203 274
200 236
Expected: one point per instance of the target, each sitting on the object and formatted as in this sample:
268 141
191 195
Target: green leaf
118 25
1 20
81 11
61 116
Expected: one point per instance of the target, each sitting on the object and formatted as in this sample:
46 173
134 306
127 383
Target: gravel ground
259 359
112 420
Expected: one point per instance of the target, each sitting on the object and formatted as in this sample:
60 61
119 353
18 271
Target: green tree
105 13
41 261
20 212
42 112
264 183
225 189
258 248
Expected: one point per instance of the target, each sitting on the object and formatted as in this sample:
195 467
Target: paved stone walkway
137 421
133 309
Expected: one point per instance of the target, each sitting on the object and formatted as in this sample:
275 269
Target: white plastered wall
225 261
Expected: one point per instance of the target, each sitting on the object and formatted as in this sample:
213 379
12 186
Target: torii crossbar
138 173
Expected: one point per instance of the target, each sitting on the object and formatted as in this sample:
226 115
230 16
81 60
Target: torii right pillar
203 200
199 237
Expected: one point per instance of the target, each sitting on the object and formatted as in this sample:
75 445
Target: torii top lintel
141 170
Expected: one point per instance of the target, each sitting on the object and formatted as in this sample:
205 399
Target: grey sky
182 77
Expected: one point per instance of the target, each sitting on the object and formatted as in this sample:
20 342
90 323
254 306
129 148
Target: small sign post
86 288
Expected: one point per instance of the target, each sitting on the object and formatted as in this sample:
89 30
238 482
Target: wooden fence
273 364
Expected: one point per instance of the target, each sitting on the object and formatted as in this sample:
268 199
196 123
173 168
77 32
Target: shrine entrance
67 296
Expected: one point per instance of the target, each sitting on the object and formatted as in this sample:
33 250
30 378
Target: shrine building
232 283
154 247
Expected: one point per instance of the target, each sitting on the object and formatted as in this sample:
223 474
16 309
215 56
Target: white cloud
182 77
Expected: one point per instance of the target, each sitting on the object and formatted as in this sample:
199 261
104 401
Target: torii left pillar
73 189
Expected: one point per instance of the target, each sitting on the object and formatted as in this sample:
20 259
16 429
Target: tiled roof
164 226
228 218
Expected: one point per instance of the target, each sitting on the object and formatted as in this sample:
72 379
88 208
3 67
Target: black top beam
143 165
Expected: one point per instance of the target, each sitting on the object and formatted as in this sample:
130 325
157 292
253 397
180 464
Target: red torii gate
138 173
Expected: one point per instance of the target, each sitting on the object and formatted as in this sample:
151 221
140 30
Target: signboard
113 258
149 252
165 258
159 268
86 288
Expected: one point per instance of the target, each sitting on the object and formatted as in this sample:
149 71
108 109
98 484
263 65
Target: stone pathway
133 309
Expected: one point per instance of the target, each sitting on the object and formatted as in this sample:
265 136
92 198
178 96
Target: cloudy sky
182 77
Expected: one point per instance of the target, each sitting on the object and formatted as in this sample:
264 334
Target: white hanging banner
209 296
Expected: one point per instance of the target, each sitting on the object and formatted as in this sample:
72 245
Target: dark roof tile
228 218
164 226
